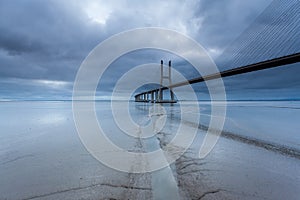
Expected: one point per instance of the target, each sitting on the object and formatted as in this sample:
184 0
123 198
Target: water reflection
53 118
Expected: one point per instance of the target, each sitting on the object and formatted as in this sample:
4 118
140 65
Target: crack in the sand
17 158
86 187
278 148
188 165
207 193
195 171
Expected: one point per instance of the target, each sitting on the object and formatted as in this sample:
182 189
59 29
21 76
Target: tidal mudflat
257 157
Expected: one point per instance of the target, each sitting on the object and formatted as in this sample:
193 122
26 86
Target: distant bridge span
276 62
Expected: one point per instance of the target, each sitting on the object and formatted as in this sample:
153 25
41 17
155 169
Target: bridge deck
276 62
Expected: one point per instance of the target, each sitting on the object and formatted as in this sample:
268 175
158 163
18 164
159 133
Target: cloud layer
43 43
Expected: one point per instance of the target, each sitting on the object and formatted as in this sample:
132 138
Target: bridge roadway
276 62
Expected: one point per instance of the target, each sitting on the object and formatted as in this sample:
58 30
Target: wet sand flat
41 157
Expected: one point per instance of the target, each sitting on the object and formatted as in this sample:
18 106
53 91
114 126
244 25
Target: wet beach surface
42 157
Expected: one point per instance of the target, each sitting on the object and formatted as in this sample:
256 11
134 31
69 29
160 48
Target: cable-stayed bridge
272 40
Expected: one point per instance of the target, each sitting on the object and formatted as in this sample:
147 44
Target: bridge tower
160 98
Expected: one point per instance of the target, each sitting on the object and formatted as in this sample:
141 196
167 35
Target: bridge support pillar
152 97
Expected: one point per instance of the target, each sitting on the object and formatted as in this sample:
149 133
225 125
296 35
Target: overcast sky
43 43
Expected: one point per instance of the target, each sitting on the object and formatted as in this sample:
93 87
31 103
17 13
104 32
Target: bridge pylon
157 95
160 97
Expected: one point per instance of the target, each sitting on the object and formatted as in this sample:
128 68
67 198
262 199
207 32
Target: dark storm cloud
42 43
37 36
